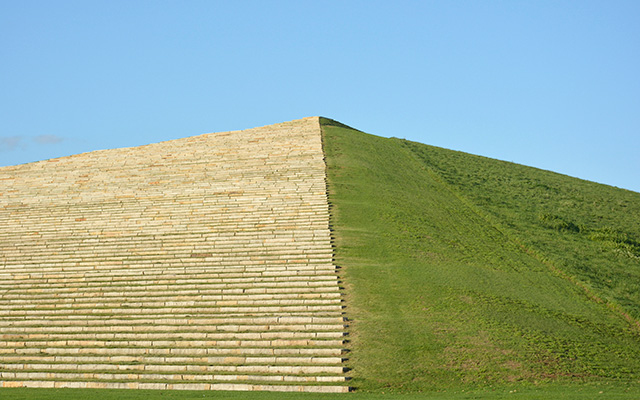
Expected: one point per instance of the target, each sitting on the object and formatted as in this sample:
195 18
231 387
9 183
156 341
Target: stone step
152 296
186 249
177 267
173 305
297 286
159 374
180 248
191 239
65 233
192 260
181 320
266 228
195 260
249 216
60 230
160 333
210 281
204 254
210 240
62 372
165 284
152 290
41 348
278 195
70 274
151 356
287 211
156 339
285 215
282 206
174 279
303 287
177 361
173 268
201 267
173 386
173 319
145 302
51 325
174 310
285 207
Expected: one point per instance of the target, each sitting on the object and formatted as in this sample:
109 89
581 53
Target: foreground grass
444 296
567 392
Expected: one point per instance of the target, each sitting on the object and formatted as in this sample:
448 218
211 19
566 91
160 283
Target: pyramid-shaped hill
199 263
463 272
210 263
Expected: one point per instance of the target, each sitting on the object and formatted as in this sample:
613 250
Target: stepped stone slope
199 263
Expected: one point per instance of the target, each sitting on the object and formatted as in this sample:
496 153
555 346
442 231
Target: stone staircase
202 263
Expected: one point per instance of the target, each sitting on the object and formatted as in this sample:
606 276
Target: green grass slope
467 272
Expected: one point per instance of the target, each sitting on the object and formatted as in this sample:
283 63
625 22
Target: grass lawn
568 392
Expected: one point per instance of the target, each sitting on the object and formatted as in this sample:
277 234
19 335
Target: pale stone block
12 384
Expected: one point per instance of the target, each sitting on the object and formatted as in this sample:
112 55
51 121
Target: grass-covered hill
463 271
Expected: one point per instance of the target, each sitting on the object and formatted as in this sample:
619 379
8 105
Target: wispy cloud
21 142
11 143
47 139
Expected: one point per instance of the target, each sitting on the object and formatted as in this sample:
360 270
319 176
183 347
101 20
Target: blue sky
550 84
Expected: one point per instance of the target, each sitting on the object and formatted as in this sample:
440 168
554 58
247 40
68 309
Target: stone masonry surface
202 263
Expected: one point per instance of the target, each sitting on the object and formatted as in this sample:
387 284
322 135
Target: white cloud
47 139
11 143
21 142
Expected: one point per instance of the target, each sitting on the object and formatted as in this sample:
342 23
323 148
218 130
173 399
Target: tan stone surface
187 264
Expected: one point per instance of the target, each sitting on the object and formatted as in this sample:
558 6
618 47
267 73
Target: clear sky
550 84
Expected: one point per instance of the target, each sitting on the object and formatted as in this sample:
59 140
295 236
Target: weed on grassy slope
441 292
